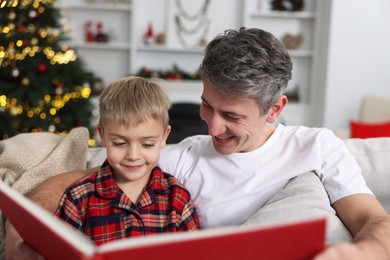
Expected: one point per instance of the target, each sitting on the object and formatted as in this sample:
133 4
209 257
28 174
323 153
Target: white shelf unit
258 13
116 19
160 57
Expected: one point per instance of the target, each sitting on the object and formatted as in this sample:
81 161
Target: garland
203 22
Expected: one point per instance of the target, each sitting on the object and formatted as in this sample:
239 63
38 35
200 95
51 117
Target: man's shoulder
306 133
189 144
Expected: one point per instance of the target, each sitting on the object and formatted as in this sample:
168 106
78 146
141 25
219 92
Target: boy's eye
148 145
118 143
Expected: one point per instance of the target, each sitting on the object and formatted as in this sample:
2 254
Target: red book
55 239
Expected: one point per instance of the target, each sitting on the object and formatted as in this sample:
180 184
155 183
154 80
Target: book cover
55 239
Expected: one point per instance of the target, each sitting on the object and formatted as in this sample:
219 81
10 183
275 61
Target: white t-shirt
228 189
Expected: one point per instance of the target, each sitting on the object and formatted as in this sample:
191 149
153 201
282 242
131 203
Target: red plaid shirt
99 208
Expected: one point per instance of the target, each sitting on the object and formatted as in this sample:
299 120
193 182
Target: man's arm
47 195
369 224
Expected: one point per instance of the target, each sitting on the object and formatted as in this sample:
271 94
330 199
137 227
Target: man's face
235 124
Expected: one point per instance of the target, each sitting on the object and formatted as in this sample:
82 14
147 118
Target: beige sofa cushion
373 156
304 197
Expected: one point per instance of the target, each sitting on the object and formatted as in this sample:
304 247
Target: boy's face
133 151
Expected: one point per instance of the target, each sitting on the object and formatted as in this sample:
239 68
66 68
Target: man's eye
205 104
232 117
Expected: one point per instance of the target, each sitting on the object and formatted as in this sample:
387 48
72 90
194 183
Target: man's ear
101 134
166 134
276 109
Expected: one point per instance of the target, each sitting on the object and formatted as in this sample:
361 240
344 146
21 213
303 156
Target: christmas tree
43 84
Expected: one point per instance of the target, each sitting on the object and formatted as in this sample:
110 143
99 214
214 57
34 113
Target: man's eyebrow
225 112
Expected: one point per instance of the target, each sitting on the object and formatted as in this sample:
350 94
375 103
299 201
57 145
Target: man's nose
216 125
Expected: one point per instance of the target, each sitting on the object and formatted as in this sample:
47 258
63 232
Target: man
246 160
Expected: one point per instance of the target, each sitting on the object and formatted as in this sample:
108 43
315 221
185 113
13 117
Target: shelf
284 14
300 53
97 7
183 91
114 46
163 48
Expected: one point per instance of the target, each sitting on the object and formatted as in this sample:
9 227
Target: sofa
373 119
28 159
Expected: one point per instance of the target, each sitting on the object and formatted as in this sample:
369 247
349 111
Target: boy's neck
133 189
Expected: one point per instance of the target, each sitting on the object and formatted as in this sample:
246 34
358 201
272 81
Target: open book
55 239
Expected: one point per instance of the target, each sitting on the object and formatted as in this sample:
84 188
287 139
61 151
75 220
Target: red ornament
148 72
60 88
149 32
88 31
42 68
20 28
25 43
149 35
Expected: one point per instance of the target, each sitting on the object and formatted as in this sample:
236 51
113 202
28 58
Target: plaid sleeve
68 211
189 218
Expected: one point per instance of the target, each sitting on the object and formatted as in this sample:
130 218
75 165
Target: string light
26 39
47 103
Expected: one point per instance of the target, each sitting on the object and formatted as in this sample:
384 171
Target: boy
129 195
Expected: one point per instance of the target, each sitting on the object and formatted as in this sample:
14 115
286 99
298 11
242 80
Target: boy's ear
101 134
166 134
276 109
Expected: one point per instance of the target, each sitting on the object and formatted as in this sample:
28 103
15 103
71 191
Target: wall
358 58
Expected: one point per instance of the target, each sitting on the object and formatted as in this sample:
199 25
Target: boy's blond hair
133 100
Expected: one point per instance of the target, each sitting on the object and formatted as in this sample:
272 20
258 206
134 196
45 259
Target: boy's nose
132 153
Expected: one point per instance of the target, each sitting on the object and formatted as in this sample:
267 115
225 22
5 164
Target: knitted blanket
28 159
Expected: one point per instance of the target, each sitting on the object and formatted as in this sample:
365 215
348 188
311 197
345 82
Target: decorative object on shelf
88 32
292 42
287 5
149 35
174 74
161 39
200 19
100 35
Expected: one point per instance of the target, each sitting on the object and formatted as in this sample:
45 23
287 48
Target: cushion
369 130
304 197
96 156
373 156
